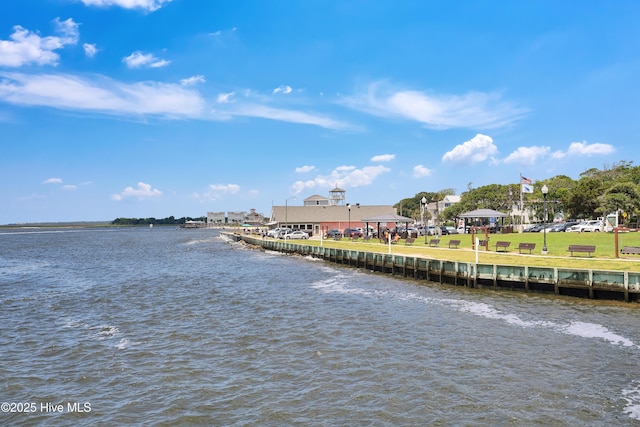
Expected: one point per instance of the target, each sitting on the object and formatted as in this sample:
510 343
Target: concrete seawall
595 284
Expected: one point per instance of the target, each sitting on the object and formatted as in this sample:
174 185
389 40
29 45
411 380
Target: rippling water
179 327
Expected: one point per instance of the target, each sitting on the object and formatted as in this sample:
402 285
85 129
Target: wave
341 283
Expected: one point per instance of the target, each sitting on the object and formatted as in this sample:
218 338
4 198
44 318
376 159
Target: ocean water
176 327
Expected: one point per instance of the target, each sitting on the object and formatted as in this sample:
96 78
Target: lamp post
349 219
286 216
545 190
423 207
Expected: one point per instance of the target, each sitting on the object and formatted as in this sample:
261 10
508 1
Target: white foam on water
123 344
202 241
340 284
632 397
592 330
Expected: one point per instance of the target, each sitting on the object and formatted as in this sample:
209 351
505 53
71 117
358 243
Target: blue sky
139 108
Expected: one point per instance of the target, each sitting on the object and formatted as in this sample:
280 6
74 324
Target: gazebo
483 213
380 219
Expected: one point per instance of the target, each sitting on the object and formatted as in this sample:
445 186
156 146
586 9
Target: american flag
524 180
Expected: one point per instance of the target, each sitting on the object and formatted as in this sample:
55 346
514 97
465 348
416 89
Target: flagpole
521 204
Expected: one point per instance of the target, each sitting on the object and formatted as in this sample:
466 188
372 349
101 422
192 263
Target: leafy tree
623 197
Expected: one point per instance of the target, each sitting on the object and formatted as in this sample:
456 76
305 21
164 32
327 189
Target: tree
623 197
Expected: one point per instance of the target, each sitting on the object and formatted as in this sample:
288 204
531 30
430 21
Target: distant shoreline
59 224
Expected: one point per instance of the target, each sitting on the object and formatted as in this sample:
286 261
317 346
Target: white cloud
192 80
142 191
578 149
225 98
383 158
421 171
70 187
90 50
292 116
52 181
100 95
283 89
584 149
149 5
303 169
527 155
26 47
138 59
438 111
477 149
346 176
217 191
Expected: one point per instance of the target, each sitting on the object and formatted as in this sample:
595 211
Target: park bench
587 249
434 242
502 246
631 250
483 243
454 243
355 238
366 238
409 241
526 247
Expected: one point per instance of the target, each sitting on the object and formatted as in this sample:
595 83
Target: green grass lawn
604 257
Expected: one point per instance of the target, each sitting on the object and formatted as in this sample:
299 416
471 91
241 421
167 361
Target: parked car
593 226
281 232
296 235
587 226
333 234
451 230
561 226
274 233
352 232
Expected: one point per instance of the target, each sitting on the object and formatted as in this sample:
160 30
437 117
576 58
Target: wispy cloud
437 111
217 191
142 191
288 115
383 158
138 59
225 98
26 47
148 5
52 181
305 169
283 89
192 80
100 95
90 50
346 176
476 150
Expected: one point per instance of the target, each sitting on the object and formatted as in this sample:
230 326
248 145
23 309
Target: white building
216 217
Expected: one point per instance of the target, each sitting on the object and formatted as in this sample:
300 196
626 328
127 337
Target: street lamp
286 216
545 190
349 224
423 207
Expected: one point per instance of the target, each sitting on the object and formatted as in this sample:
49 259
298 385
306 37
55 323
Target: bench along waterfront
587 249
597 284
526 247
